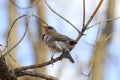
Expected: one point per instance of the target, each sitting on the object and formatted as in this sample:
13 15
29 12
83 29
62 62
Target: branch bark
34 74
5 72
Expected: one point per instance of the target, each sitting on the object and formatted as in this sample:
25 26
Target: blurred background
100 47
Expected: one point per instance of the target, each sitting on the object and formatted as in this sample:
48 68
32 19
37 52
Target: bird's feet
52 57
61 57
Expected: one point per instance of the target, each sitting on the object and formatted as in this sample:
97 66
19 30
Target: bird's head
49 30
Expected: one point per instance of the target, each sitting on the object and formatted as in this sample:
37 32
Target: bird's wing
60 37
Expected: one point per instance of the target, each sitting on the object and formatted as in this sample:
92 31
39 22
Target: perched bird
57 42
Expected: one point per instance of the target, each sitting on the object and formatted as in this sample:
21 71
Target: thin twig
12 58
10 31
21 37
91 66
32 5
92 45
98 33
88 22
39 65
40 75
61 17
84 13
106 20
40 19
107 38
94 13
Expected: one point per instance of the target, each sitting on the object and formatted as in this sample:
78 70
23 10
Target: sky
73 14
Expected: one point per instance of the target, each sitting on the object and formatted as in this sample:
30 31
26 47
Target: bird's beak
44 27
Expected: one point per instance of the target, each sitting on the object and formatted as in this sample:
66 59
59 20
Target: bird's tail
66 54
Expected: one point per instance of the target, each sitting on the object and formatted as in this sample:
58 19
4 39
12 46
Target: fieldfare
57 42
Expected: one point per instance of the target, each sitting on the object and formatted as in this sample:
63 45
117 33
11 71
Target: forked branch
61 16
90 19
8 51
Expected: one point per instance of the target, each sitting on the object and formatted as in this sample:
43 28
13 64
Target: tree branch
40 19
61 17
106 20
88 22
21 37
5 73
34 74
39 65
83 13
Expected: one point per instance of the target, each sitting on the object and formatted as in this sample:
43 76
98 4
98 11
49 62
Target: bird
58 43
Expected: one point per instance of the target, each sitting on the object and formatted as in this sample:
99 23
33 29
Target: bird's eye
50 28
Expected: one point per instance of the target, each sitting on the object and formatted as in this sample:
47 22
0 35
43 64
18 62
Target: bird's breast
52 44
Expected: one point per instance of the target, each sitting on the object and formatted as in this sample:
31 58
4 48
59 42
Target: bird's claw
52 58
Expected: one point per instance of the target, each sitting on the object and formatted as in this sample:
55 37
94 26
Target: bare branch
40 19
88 22
39 65
21 37
83 13
5 72
32 5
106 20
40 75
94 13
10 31
91 66
61 17
12 58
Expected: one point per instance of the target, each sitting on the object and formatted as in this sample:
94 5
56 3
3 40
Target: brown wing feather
60 37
